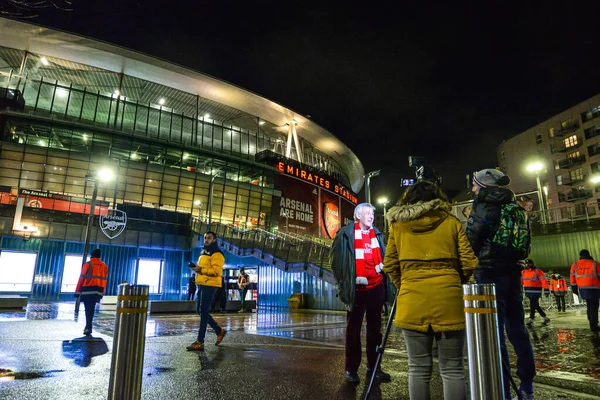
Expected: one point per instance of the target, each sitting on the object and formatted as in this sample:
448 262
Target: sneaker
87 331
352 377
220 336
524 396
196 346
546 321
529 322
379 375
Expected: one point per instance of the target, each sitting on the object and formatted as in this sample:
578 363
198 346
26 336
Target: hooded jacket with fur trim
428 257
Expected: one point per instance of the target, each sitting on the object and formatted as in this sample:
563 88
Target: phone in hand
191 265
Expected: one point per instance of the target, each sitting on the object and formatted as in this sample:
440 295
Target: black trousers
560 302
90 308
592 313
535 306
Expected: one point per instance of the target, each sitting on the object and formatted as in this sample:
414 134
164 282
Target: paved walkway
270 355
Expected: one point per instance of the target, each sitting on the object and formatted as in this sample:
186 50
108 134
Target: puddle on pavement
10 375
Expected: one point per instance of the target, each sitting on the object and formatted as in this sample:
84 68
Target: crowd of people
427 258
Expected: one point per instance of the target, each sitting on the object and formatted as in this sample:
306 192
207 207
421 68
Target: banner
297 208
330 214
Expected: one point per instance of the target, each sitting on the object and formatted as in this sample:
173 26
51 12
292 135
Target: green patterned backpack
513 231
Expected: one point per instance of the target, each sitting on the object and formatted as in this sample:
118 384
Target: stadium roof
222 100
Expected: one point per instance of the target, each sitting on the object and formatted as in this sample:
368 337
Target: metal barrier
483 342
128 343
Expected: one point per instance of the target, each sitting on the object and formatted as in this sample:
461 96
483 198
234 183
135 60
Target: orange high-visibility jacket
533 281
558 286
584 275
93 278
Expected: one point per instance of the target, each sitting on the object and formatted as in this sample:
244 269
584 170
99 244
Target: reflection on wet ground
566 345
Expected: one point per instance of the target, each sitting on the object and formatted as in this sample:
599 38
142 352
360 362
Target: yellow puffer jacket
210 266
428 257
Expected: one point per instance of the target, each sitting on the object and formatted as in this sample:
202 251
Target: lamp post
210 198
384 201
104 175
537 168
368 177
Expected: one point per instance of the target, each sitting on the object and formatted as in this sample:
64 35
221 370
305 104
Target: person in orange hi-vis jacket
558 287
534 281
586 283
90 287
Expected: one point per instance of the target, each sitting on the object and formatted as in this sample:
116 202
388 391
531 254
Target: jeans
90 308
243 298
560 302
509 300
534 305
592 312
205 296
369 302
420 363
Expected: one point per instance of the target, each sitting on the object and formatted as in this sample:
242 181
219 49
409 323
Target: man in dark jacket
498 266
357 261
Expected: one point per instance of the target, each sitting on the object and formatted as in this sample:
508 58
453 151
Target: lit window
570 141
16 271
575 154
577 174
559 180
71 272
150 273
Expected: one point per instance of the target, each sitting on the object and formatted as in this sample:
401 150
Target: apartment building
566 147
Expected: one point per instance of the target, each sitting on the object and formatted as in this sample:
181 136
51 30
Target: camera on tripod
423 172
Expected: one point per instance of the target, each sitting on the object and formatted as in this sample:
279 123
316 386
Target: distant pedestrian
428 258
585 282
500 266
357 261
534 281
243 282
191 287
558 287
91 286
208 279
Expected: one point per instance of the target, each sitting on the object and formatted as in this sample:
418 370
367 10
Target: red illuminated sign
316 180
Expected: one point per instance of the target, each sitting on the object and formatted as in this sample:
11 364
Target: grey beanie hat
490 177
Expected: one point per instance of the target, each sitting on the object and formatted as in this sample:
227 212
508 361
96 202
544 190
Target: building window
13 279
559 180
556 164
577 175
590 114
149 273
503 156
71 272
551 132
574 155
538 139
570 141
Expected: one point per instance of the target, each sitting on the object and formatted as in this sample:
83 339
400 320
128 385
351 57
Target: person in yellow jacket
208 280
428 258
91 286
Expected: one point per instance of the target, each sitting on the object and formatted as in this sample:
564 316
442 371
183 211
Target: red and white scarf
359 248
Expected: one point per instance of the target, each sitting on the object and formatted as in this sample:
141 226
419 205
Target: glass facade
116 102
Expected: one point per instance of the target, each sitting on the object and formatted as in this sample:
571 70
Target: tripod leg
381 349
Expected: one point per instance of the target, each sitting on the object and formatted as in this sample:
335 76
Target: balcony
564 130
575 181
592 132
570 162
561 148
574 195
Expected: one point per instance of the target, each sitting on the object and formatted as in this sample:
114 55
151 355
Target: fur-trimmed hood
422 216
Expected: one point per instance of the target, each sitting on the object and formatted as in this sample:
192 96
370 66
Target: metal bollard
483 342
128 343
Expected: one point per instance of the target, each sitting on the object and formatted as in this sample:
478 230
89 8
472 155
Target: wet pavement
273 354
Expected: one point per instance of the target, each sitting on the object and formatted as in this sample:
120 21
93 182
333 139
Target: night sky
446 82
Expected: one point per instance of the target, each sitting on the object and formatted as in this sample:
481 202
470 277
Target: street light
368 177
384 201
103 175
537 167
210 198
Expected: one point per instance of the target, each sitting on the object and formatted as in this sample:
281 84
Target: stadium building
184 150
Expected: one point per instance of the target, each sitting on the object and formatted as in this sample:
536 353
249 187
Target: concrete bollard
483 342
128 343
